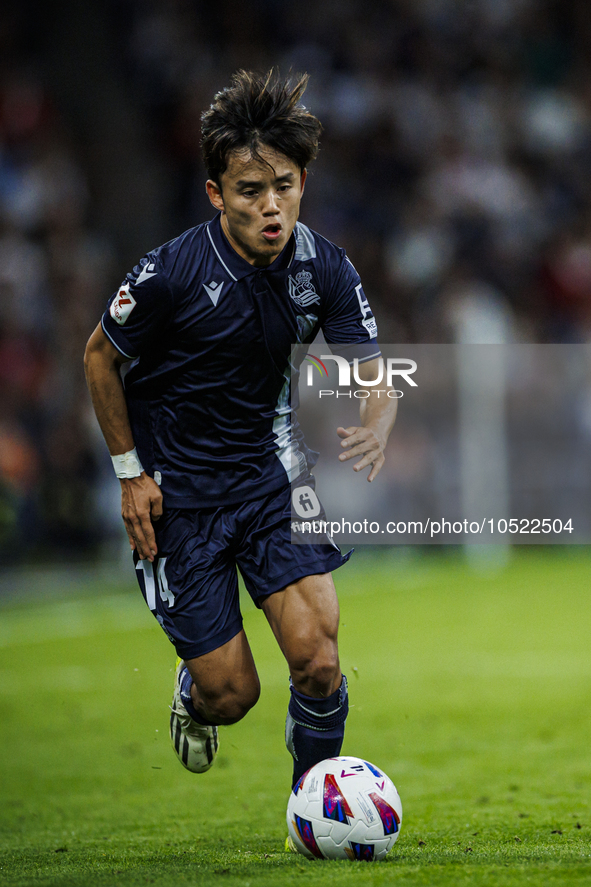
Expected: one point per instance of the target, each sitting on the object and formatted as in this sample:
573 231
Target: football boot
195 744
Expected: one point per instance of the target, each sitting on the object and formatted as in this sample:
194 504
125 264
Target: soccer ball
344 808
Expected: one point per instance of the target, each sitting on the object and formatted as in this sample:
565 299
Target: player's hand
365 442
141 503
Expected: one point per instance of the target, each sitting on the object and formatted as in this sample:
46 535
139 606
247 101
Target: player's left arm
377 414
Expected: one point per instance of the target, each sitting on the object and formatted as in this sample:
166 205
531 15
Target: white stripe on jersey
218 255
288 451
306 245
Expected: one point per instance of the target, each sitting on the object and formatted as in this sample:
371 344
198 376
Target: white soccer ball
344 808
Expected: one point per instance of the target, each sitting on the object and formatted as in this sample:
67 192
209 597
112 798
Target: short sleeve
140 308
348 325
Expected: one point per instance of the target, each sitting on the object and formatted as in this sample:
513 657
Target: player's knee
322 674
316 673
231 706
232 710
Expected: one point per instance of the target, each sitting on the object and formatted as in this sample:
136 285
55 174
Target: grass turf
472 691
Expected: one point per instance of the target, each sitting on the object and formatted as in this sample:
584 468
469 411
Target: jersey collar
235 265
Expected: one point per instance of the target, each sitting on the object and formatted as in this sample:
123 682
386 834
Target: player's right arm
141 499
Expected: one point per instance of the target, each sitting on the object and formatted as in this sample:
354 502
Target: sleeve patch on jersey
122 305
368 320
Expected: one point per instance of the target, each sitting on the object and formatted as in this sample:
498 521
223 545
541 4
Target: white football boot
196 745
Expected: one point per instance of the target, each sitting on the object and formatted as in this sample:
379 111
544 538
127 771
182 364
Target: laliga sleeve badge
122 305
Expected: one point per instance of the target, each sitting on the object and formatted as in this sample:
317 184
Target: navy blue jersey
210 340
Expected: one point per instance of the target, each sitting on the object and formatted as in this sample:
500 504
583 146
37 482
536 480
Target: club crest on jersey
122 305
301 289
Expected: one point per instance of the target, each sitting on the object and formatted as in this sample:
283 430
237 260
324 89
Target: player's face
260 203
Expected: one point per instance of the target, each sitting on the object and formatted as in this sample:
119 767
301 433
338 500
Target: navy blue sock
315 728
185 684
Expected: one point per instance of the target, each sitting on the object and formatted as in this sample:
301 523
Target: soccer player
189 373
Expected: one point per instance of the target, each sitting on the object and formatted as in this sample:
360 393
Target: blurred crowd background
454 168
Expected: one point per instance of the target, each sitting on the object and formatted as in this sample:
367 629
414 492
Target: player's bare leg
216 688
304 618
225 681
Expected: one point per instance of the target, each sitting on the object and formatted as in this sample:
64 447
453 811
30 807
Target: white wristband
127 464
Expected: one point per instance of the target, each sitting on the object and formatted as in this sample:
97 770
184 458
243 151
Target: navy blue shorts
192 586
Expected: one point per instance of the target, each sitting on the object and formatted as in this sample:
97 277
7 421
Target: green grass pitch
472 691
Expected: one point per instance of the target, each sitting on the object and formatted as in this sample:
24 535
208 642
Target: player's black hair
259 110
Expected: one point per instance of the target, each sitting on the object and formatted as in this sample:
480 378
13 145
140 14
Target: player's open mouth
272 232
